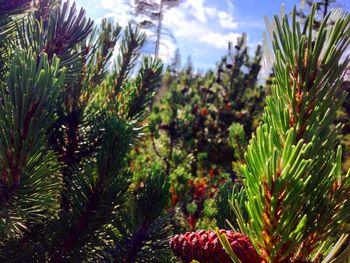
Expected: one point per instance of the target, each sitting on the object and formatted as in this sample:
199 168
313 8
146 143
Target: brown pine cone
205 246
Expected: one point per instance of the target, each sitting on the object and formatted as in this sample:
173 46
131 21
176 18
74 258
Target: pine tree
68 122
296 197
230 94
190 128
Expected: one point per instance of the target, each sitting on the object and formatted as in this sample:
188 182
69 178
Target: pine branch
130 99
130 47
146 84
100 48
70 28
9 10
295 198
96 192
91 140
29 172
145 238
57 28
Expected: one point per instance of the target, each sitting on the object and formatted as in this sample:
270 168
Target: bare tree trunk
159 30
325 11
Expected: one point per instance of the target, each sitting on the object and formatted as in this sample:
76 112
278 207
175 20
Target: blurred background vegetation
200 125
141 152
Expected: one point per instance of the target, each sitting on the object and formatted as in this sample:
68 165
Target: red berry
200 187
204 112
211 173
191 220
190 182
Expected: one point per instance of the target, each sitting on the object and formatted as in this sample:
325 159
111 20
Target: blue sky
202 28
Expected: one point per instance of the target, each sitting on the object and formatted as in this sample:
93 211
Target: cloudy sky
202 28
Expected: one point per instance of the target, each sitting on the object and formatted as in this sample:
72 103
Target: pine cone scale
205 246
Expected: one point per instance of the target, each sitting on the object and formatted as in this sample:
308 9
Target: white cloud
110 4
185 26
118 9
230 4
192 22
211 11
167 50
219 40
196 8
226 20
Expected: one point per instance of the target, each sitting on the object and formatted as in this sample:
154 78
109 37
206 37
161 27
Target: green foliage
96 193
190 128
147 223
29 171
71 192
297 202
67 125
196 111
231 206
323 7
343 117
9 10
238 140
